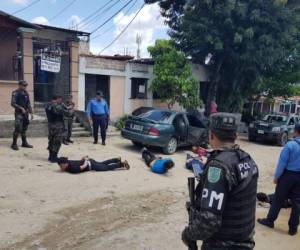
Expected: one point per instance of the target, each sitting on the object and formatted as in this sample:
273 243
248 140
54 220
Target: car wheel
283 139
251 138
137 144
171 146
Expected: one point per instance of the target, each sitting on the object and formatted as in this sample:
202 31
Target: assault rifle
191 205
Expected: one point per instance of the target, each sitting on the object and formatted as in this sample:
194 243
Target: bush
121 122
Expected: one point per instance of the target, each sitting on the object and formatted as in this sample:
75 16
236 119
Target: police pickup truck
278 128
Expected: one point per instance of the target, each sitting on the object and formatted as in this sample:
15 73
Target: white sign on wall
50 63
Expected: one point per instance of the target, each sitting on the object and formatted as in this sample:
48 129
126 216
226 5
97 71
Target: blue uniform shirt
159 166
97 107
289 158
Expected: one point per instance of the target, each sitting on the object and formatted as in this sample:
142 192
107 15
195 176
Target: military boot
25 144
53 157
14 145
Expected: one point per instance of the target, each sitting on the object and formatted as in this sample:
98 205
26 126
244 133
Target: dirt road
41 208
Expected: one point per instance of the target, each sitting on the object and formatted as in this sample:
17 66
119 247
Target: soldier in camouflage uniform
55 113
20 101
68 120
224 213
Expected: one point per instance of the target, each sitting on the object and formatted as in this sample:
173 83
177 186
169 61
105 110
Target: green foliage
173 80
120 124
251 41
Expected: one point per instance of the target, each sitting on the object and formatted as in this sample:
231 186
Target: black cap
224 126
23 83
223 122
100 93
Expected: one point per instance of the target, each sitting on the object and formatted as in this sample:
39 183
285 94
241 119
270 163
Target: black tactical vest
238 219
51 116
22 99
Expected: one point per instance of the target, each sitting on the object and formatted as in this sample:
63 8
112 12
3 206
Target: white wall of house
121 74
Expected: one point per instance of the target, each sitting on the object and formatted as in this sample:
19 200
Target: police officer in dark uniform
21 102
224 213
55 114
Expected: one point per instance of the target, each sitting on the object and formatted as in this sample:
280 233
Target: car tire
171 147
137 144
283 139
251 138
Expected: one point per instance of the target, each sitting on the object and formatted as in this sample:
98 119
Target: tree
173 81
249 40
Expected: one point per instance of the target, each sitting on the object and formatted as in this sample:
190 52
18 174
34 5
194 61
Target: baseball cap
23 83
223 121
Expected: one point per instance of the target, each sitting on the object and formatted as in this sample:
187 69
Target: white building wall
128 70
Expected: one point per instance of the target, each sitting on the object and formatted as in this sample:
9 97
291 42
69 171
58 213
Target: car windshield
275 118
156 115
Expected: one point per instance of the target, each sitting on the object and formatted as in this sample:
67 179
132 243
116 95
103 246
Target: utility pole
139 42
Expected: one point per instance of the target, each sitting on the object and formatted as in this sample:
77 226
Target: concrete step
78 129
77 125
83 133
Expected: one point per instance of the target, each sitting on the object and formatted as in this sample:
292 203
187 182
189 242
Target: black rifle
191 186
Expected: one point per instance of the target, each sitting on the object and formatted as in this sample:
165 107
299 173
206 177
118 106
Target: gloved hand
192 245
184 237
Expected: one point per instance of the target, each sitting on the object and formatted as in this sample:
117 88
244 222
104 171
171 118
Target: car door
197 131
181 128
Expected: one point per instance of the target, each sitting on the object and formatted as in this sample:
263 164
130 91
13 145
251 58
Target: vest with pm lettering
238 218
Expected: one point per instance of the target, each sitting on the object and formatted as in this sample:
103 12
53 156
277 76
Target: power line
95 18
16 12
122 32
100 26
26 7
95 12
61 11
112 26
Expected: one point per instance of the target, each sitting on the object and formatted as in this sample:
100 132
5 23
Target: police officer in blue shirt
287 179
98 115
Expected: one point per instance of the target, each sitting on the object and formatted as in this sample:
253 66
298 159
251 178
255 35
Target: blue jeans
288 187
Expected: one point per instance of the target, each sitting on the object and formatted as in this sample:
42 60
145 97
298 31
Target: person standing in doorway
98 115
20 101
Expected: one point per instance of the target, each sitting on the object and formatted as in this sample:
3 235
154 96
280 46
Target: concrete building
124 81
46 57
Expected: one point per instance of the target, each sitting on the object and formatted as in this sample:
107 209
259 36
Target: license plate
260 132
136 127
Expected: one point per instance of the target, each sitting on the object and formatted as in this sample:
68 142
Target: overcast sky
149 24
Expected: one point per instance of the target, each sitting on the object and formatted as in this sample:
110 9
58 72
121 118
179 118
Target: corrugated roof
115 57
148 61
77 32
19 20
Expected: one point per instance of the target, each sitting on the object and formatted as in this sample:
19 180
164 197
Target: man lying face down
157 165
87 164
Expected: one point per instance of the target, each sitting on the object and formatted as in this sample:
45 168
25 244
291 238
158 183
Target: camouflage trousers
21 125
68 126
55 136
